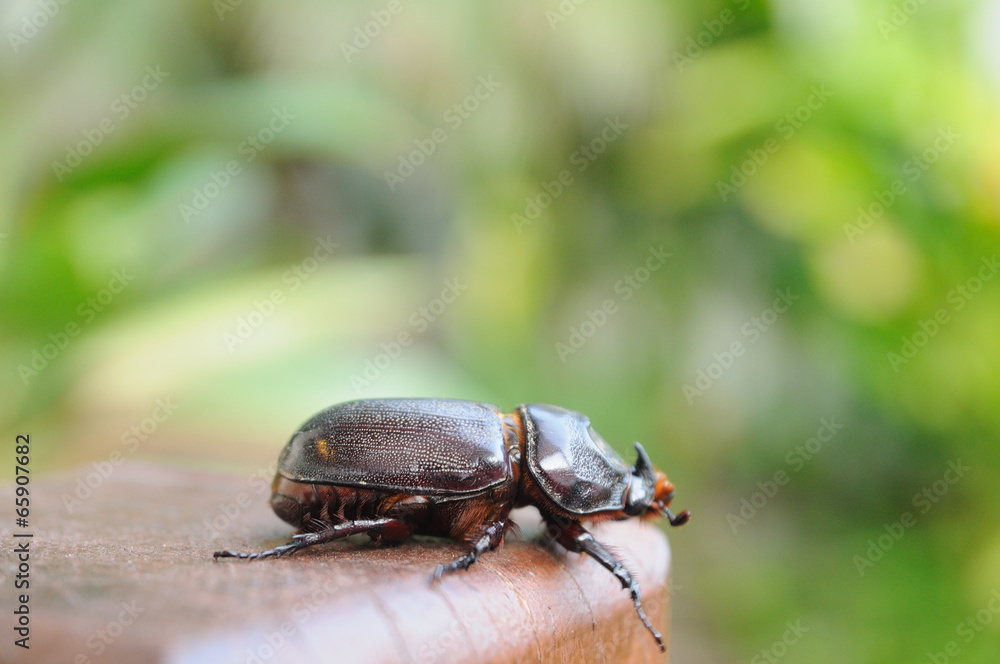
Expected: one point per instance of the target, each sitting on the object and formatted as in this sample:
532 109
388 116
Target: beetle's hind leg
490 539
301 541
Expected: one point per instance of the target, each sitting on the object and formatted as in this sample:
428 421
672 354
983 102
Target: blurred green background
758 237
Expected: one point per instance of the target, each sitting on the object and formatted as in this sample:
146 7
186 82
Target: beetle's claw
226 553
438 573
277 552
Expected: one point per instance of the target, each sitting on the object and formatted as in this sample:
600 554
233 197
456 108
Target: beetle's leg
304 540
576 538
491 538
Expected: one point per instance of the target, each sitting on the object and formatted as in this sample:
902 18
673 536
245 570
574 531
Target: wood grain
138 551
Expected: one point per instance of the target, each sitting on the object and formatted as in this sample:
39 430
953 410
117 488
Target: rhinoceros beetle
395 467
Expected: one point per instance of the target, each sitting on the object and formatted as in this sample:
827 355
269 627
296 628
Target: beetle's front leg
491 538
304 540
575 537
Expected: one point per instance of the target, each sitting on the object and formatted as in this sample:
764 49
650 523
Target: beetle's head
650 492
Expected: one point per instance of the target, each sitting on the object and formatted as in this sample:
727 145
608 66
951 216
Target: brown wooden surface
141 541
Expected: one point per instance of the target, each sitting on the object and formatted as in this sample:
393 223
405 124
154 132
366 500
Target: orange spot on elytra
324 449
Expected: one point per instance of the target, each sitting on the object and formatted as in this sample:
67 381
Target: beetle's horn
644 467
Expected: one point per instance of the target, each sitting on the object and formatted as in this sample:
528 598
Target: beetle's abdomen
425 446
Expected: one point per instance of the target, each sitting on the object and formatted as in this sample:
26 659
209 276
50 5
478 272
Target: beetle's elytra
394 467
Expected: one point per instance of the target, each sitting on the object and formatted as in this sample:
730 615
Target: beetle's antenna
675 520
